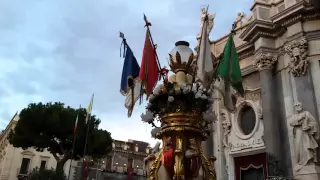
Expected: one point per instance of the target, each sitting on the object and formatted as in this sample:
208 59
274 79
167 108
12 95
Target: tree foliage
50 126
46 174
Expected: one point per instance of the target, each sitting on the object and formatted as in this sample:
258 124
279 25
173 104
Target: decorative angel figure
210 21
238 21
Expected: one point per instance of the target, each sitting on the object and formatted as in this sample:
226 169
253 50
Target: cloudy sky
58 50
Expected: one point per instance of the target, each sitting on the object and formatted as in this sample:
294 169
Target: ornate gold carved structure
184 124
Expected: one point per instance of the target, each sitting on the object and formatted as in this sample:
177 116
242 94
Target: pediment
27 152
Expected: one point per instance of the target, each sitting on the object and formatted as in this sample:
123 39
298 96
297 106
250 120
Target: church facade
274 131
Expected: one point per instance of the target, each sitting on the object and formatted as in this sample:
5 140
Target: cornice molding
298 12
248 70
288 11
258 28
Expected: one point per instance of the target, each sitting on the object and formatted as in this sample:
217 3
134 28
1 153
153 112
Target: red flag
149 70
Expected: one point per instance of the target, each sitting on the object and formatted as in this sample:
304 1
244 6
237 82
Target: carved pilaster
298 52
265 61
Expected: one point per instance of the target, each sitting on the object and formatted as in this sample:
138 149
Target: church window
247 120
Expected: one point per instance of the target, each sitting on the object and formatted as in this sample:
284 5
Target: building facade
125 156
275 129
16 163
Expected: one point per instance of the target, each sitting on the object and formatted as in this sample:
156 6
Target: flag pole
88 124
73 143
87 133
154 47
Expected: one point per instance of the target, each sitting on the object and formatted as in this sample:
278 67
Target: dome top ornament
181 57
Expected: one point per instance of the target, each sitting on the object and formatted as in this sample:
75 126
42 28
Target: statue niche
306 136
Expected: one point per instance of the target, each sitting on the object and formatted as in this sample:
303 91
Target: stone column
265 64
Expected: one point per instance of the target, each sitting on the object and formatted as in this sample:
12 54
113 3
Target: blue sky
58 50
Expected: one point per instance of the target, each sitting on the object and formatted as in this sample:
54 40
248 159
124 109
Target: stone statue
194 162
210 21
226 126
238 21
306 135
209 28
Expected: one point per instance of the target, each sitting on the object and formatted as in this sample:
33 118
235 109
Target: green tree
46 174
50 126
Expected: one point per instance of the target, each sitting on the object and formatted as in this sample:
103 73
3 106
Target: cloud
58 50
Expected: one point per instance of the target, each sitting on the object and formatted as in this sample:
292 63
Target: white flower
170 99
154 131
177 90
194 88
209 116
203 96
197 95
148 117
182 85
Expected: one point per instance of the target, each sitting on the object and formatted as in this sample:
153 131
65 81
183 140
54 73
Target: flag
205 69
89 109
130 84
149 70
229 70
75 125
130 71
133 96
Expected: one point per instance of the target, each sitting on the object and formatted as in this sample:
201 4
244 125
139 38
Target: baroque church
274 131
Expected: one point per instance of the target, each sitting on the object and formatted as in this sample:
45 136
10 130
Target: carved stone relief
305 136
265 61
226 126
298 52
